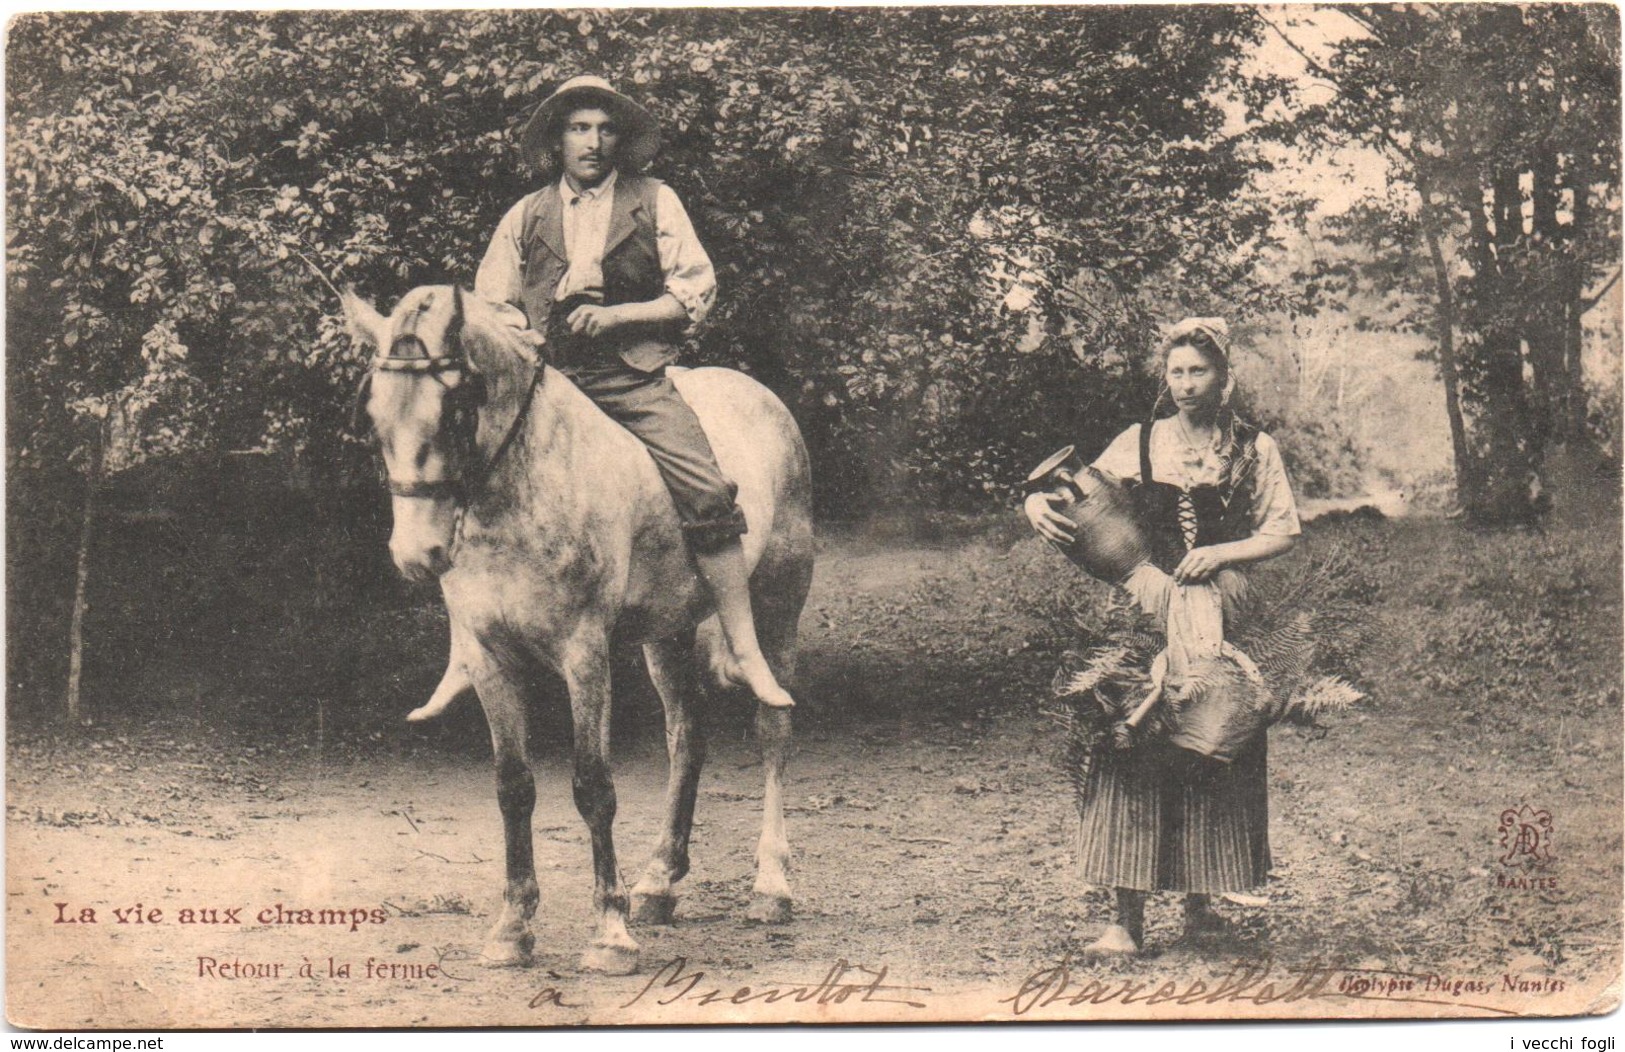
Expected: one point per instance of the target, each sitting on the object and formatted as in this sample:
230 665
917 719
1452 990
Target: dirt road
930 824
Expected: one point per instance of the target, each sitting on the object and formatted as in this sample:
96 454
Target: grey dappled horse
550 530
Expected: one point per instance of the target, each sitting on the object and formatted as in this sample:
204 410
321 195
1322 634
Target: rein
484 474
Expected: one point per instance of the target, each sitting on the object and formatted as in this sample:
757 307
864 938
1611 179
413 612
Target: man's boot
723 571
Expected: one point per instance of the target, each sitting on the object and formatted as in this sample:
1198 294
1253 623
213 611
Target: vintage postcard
683 516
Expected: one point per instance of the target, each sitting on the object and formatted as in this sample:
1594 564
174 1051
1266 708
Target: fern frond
1326 694
1323 581
1106 665
1083 720
1295 626
1220 674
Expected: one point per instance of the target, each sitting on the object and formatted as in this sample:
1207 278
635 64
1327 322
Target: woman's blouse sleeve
1121 460
1275 513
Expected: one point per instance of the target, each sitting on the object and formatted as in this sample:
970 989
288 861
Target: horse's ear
532 348
528 342
364 324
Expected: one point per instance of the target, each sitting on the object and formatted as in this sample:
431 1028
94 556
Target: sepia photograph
706 516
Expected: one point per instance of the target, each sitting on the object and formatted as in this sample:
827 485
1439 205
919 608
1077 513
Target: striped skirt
1157 818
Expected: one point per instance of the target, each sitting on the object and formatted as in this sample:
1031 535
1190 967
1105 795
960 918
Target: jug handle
1058 469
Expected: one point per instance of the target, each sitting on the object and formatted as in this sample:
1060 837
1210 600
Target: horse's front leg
504 702
770 900
672 669
586 673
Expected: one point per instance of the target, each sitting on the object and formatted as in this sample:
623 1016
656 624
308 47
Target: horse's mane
499 341
500 331
498 338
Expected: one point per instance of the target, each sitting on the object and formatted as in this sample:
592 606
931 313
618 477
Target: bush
1322 458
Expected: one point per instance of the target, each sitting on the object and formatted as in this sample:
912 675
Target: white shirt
586 228
1173 460
690 277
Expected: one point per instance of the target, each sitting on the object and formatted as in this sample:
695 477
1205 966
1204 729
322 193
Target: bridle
462 404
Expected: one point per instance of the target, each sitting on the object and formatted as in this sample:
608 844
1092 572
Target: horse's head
423 395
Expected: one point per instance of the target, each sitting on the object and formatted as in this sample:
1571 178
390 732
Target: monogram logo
1526 836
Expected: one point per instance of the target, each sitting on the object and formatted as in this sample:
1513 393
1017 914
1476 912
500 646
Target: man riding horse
606 266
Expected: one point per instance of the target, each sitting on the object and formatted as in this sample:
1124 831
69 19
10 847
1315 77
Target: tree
1504 123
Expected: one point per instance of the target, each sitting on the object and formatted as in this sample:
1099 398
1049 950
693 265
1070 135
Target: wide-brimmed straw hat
640 131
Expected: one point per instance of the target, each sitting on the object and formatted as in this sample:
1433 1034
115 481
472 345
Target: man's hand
1050 524
1200 564
593 321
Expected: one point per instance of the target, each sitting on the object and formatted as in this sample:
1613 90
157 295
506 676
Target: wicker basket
1222 718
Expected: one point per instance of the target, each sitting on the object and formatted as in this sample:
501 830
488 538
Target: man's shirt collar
593 193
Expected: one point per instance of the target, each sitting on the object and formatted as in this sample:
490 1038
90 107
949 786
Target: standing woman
1213 493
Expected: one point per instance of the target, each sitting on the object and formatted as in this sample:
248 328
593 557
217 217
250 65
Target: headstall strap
484 473
418 363
430 365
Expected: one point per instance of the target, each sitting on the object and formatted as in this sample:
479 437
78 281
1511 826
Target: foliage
1296 639
1341 387
1322 458
942 234
1514 627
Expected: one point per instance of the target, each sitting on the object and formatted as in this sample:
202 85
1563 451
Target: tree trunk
1466 480
1544 327
1575 401
1492 365
81 580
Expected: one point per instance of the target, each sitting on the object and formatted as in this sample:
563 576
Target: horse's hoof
768 909
654 909
610 960
508 954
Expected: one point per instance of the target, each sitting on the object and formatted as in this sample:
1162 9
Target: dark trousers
649 406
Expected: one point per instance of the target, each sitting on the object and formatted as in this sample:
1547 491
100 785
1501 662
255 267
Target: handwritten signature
673 982
1255 982
1245 981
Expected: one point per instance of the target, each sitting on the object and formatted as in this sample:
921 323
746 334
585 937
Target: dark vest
1224 512
632 272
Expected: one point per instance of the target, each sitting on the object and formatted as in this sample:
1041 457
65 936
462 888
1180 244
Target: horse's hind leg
672 668
511 941
779 601
770 898
586 673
